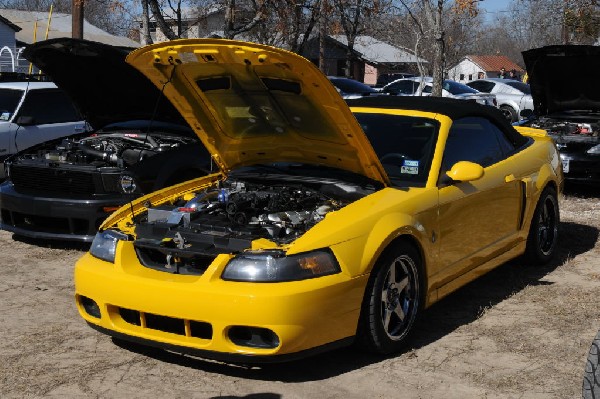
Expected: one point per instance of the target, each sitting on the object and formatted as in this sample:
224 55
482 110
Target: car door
478 219
46 114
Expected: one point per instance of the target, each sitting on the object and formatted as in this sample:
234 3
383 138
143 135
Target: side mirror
465 171
25 120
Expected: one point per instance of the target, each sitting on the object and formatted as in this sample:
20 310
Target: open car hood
254 104
561 78
102 85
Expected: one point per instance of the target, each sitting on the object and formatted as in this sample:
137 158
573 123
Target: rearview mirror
465 171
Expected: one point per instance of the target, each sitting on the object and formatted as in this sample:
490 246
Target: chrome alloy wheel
399 297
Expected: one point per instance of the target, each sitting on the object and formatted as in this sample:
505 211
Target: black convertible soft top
453 108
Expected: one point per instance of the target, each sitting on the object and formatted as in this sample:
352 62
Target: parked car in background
386 78
65 188
32 112
330 221
512 96
568 109
350 88
422 86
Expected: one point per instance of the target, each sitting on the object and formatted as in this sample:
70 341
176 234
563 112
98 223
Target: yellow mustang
325 224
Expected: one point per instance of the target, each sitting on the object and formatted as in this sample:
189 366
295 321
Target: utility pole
77 19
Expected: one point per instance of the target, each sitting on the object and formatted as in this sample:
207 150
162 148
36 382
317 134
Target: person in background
480 75
502 74
513 75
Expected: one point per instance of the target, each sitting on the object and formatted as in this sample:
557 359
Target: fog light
90 306
253 337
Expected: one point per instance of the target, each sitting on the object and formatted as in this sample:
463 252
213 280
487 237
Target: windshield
404 145
522 87
9 99
458 88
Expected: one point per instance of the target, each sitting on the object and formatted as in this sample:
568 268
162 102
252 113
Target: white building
473 67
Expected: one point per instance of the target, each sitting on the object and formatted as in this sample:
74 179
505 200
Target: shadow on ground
459 308
54 244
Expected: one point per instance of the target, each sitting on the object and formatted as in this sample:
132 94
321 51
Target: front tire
591 377
393 299
543 232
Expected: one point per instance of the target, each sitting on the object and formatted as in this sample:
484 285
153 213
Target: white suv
31 113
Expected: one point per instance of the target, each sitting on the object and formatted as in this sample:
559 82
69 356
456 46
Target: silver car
513 96
423 86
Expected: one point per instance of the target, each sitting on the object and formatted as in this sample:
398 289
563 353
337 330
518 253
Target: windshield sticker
410 167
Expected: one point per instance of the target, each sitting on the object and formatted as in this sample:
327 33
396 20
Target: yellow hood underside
253 104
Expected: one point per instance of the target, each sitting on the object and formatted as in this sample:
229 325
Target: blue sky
491 8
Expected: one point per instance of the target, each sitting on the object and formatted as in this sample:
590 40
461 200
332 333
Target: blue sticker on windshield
410 167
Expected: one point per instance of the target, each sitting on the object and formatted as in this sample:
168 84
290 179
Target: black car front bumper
39 217
580 167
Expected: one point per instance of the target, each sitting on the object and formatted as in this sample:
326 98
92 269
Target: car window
403 144
476 140
482 86
403 87
352 86
457 88
522 87
49 106
428 89
9 99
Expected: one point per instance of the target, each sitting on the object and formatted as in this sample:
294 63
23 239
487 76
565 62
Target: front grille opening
130 316
59 182
46 224
173 325
165 324
253 337
200 329
157 259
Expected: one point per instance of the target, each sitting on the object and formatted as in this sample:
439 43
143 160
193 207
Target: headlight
595 150
105 243
274 266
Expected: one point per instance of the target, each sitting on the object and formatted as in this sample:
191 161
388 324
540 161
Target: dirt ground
518 332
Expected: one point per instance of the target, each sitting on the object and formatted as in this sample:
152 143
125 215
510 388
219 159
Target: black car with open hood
565 86
137 143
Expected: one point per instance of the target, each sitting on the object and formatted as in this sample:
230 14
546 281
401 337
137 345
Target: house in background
471 65
372 57
8 45
23 24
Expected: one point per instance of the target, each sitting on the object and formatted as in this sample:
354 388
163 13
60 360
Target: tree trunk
322 34
160 20
147 38
77 19
438 56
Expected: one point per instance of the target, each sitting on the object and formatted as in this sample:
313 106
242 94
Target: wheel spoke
402 284
387 316
400 313
392 275
384 295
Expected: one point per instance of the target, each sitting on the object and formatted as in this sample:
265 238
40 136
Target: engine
119 149
560 127
238 209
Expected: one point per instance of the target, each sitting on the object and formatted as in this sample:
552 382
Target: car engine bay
120 149
185 236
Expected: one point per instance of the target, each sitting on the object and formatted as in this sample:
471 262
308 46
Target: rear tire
393 300
591 376
509 113
543 232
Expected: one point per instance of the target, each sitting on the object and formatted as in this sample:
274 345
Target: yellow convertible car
323 224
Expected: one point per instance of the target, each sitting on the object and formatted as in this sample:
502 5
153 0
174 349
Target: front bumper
213 318
581 168
73 219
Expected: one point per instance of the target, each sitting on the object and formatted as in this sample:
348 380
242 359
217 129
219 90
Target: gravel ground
518 332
